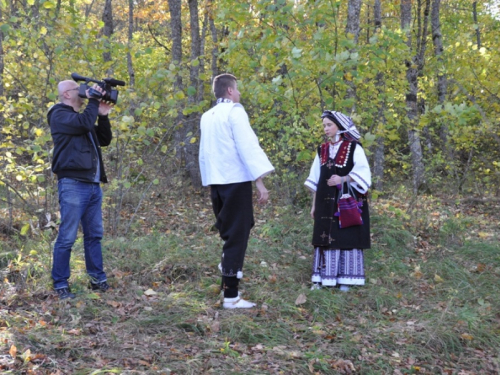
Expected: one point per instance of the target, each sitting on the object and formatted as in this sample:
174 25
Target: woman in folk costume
340 162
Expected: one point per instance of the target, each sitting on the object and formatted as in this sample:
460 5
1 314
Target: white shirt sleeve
313 179
360 173
247 144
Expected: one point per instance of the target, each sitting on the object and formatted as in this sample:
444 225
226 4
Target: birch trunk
352 28
379 154
442 85
412 96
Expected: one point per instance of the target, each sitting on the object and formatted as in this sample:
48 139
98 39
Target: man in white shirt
230 159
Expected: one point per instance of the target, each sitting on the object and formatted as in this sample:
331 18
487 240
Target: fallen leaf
114 304
345 366
438 278
13 351
150 292
417 274
215 327
301 299
481 267
27 356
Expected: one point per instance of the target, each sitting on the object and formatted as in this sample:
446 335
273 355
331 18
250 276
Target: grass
430 304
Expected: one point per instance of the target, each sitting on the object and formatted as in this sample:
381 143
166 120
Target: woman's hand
313 208
337 180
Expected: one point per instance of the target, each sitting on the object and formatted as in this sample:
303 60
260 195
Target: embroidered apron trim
342 154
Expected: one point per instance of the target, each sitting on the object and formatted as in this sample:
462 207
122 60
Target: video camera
106 84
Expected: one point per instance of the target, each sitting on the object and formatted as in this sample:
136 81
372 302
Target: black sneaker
102 286
64 293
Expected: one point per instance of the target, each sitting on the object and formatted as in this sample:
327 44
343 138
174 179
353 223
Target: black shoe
64 293
102 286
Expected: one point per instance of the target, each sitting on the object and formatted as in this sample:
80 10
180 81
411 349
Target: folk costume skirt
338 267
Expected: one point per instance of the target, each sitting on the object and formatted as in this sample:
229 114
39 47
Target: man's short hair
221 84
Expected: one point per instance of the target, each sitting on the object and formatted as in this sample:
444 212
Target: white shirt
229 149
360 173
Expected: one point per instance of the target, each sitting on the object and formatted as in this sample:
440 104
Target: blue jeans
78 202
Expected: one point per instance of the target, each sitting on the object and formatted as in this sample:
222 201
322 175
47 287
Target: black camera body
106 84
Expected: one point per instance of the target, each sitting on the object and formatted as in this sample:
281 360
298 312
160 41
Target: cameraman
77 162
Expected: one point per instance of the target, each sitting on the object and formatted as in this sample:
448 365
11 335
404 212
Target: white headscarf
345 124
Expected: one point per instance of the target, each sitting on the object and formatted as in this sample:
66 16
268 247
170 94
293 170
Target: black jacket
74 155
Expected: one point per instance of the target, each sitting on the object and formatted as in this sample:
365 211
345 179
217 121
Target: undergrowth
429 305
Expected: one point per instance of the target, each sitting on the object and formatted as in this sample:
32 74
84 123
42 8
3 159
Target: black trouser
232 205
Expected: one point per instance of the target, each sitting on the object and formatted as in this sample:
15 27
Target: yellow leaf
13 351
417 273
438 278
466 336
27 356
193 140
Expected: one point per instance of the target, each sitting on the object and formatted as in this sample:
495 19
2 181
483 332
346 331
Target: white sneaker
344 288
316 286
237 303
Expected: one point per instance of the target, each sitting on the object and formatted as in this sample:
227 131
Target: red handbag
348 209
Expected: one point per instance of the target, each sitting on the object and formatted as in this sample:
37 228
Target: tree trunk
412 67
2 67
176 29
130 66
215 41
192 127
194 69
107 18
478 32
379 154
204 31
352 28
442 85
185 128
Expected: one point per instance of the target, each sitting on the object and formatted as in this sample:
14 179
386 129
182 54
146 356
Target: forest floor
430 305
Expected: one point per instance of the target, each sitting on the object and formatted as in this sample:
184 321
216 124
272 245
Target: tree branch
156 40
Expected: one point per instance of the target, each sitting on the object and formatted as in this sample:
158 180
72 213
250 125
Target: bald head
68 94
65 86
